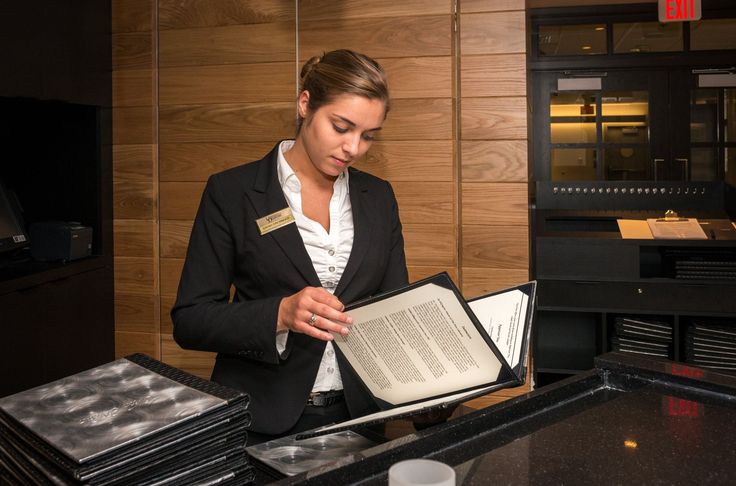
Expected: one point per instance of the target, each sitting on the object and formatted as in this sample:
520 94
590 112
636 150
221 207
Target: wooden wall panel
480 281
197 161
419 77
494 118
493 33
495 204
254 122
174 238
404 160
420 272
431 245
132 15
495 247
240 83
170 272
493 75
196 362
494 161
134 237
236 44
136 313
132 87
135 275
133 162
418 119
470 6
421 201
132 51
167 302
137 342
133 125
180 200
311 10
382 37
132 200
180 14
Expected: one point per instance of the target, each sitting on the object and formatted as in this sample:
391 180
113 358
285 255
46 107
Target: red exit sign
679 10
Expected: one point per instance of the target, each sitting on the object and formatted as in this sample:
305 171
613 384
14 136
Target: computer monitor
13 233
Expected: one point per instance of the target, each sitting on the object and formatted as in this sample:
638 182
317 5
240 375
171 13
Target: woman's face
339 133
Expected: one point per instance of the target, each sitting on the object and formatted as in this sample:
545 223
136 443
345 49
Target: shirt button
331 269
331 252
330 370
330 353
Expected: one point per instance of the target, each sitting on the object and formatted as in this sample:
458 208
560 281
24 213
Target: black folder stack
710 345
134 421
642 336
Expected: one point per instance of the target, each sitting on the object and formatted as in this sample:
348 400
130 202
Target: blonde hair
341 72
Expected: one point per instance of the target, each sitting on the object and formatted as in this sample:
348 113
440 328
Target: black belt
325 399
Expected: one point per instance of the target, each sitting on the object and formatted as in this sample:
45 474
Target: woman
298 234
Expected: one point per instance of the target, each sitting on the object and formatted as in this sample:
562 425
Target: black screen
12 233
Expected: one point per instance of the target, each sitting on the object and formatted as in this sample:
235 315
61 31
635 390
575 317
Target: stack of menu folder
642 336
134 421
711 346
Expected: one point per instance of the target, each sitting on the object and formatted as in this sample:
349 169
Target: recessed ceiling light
600 28
586 48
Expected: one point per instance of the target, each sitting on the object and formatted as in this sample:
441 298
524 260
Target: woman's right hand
296 310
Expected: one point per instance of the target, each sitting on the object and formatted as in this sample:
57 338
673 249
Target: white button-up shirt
329 251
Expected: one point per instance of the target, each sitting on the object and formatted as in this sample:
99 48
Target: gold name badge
275 221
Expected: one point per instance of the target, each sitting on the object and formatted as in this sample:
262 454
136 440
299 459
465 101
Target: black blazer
227 249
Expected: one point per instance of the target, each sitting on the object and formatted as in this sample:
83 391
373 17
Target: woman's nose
351 143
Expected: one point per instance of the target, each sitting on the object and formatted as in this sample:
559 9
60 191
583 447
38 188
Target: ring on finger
312 319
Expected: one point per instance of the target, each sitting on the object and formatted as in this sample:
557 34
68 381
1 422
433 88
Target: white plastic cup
421 472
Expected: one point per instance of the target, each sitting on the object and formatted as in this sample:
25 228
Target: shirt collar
289 180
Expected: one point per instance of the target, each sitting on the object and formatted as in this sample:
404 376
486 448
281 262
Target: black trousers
311 418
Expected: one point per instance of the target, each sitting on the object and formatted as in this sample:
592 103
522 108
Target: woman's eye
368 137
339 129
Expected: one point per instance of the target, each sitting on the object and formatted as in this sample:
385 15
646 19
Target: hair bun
309 66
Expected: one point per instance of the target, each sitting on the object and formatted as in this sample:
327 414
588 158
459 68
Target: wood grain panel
133 162
421 201
133 200
419 77
493 118
133 125
134 237
403 160
580 3
132 87
195 362
179 200
494 161
170 271
469 6
175 238
235 44
167 302
480 281
132 51
197 161
179 14
495 204
311 10
135 275
136 313
379 37
493 33
420 272
237 83
498 397
494 75
132 15
418 119
430 245
495 247
127 343
256 122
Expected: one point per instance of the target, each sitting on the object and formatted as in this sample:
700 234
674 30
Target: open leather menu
424 347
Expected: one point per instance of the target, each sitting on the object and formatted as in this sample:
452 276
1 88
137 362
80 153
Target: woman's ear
303 103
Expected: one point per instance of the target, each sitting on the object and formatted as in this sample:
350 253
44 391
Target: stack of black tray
134 421
709 345
643 336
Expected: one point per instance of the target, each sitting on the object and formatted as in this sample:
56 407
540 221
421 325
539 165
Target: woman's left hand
313 311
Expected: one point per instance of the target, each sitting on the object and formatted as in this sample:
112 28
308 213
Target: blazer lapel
362 230
267 197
